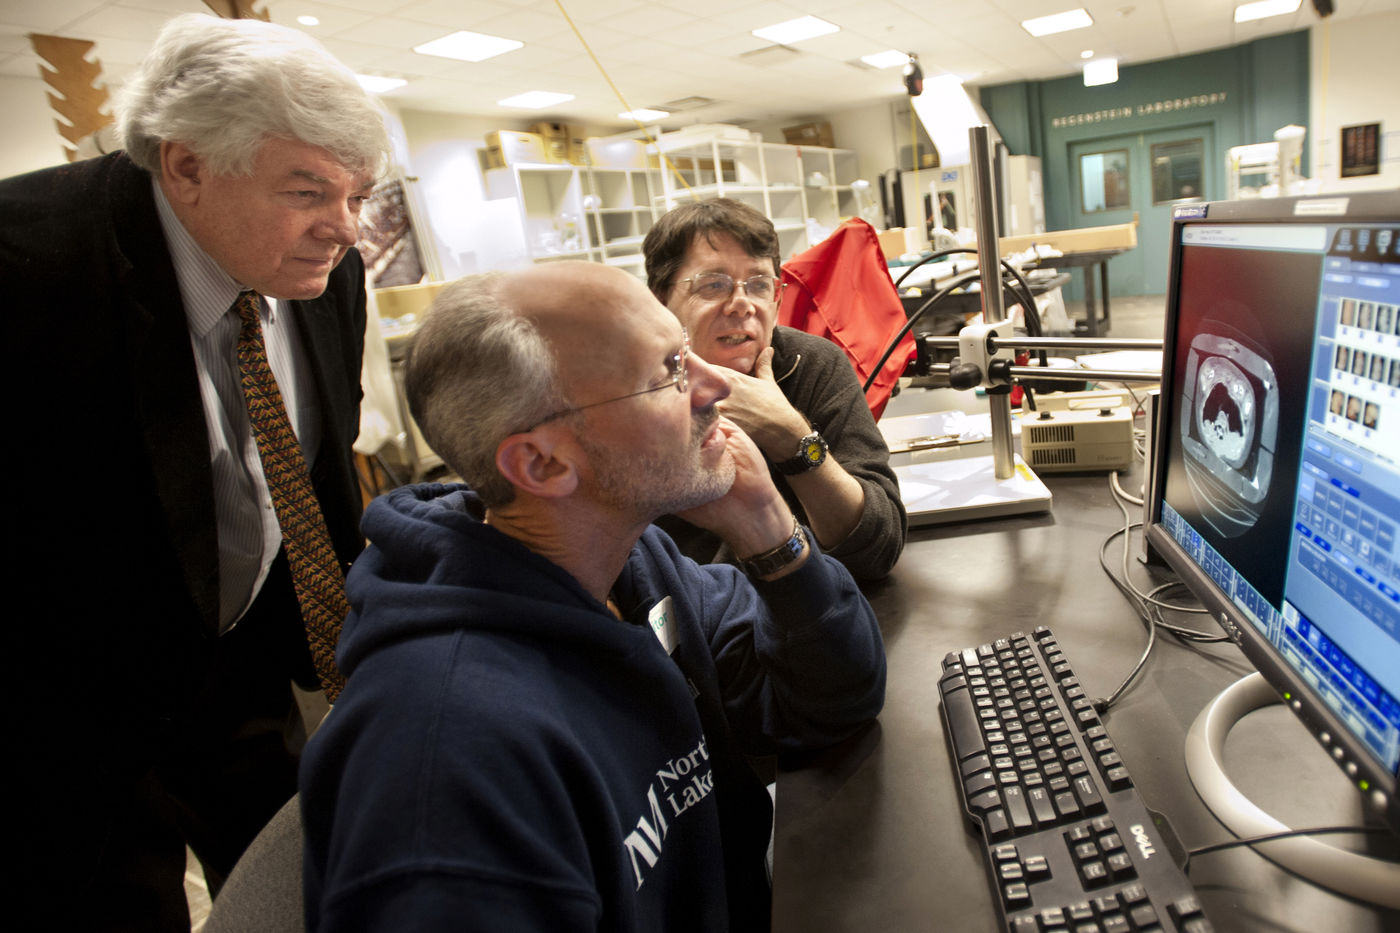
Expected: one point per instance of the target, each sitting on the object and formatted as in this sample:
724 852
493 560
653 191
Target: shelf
768 176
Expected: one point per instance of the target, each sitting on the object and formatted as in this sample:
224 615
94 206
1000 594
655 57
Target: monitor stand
1359 876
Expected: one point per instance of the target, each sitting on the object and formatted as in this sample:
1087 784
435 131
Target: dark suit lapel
169 408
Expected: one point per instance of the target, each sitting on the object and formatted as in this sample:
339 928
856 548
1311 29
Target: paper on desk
1133 361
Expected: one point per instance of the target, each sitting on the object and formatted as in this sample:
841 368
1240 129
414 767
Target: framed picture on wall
1361 150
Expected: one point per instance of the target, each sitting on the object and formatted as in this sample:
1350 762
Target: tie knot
248 305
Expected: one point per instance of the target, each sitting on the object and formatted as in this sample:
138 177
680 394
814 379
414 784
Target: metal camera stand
969 487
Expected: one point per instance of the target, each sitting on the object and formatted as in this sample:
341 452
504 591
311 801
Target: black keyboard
1069 843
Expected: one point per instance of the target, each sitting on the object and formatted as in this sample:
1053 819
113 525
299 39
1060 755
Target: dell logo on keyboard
1143 843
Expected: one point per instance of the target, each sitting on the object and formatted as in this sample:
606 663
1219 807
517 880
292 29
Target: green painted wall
1245 93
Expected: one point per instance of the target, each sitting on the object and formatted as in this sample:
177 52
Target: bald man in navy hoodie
548 708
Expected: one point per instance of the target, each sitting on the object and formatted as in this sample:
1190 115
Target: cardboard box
555 137
1086 239
810 134
550 130
893 243
617 153
509 147
578 151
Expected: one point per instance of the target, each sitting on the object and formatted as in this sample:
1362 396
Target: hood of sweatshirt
433 565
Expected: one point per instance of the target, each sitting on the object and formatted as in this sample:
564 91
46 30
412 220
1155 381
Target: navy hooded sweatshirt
508 755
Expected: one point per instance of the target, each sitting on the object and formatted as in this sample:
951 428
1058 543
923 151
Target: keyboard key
962 719
1016 808
987 800
1094 874
1115 923
1143 917
1121 866
996 825
1041 806
1088 795
979 782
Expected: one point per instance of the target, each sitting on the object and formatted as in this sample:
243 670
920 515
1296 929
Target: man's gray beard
655 486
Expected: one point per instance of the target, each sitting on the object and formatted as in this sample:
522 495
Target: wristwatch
811 453
770 562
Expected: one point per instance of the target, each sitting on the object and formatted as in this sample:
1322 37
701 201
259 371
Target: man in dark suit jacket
154 638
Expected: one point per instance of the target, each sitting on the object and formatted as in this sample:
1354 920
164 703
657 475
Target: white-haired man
548 708
158 296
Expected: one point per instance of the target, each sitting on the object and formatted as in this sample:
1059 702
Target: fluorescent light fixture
1057 22
1087 54
1100 71
308 20
535 100
1264 8
468 46
643 114
378 84
889 58
795 30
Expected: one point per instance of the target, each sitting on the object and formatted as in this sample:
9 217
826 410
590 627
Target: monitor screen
1275 491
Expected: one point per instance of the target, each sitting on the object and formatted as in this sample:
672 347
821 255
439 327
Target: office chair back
263 892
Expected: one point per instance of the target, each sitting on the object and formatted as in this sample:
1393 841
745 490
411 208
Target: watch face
814 450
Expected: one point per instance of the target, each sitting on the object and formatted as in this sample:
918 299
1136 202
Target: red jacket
841 289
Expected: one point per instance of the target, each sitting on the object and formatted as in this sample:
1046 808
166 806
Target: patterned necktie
316 574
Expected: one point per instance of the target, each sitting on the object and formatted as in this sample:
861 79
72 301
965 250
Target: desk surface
871 835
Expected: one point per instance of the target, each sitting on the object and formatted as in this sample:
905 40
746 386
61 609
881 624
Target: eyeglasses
679 377
717 286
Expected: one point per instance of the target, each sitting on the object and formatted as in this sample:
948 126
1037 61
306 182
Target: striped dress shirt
248 534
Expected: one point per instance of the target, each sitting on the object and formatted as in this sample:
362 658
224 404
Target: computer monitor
1275 488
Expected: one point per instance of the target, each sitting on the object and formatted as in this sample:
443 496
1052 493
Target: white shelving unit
602 214
789 184
580 212
620 212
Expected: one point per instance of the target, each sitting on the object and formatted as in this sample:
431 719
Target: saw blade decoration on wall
77 98
238 9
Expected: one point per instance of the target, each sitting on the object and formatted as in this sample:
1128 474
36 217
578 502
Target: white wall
1355 73
31 139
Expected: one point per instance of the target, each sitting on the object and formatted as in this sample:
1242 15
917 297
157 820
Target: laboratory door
1117 177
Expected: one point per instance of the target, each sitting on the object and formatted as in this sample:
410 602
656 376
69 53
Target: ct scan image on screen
1244 346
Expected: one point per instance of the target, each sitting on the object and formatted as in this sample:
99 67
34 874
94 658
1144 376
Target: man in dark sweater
715 265
548 708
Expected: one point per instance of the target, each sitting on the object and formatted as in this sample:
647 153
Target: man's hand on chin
752 516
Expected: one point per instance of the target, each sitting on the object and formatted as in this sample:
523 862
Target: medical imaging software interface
1283 459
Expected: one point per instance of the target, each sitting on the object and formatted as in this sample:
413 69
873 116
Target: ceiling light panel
796 30
535 100
1057 22
379 84
1263 9
467 46
890 58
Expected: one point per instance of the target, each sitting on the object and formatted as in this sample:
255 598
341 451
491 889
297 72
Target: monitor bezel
1351 756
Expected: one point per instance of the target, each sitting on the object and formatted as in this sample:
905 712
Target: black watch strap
811 453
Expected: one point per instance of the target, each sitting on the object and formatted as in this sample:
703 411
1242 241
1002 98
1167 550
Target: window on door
1176 170
1104 184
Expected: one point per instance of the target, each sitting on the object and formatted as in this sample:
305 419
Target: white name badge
663 623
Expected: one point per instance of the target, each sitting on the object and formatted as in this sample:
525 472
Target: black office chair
263 892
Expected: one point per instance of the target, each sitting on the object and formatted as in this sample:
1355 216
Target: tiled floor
1130 316
196 893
